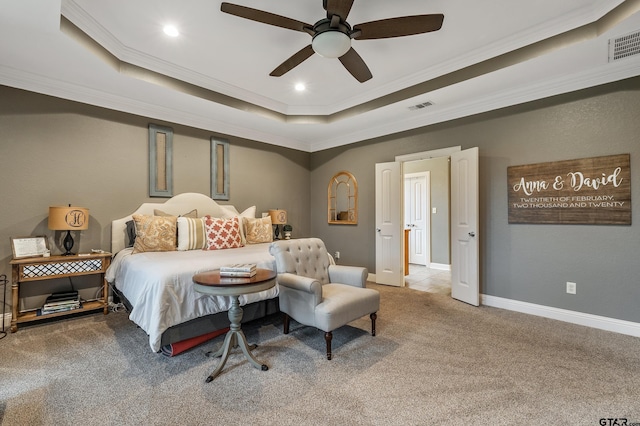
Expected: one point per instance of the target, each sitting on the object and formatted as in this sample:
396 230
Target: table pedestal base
235 337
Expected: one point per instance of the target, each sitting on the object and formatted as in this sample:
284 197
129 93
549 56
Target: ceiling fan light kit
331 36
331 44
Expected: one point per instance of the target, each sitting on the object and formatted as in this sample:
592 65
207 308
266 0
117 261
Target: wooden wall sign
585 191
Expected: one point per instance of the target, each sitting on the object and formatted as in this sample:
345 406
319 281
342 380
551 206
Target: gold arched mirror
342 196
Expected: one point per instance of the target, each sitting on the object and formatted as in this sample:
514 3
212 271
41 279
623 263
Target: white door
389 265
464 227
416 208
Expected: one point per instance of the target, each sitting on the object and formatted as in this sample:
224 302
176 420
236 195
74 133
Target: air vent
420 106
624 46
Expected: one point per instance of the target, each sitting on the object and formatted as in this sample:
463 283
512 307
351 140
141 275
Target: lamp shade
68 218
278 217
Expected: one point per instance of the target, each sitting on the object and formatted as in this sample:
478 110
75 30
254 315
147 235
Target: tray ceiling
215 74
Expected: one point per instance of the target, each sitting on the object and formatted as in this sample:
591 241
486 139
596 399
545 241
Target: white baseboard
440 266
580 318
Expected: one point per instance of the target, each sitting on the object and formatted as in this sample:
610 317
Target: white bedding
159 284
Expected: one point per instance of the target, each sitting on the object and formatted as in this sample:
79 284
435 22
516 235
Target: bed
155 282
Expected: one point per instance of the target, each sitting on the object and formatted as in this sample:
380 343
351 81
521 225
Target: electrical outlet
337 255
571 287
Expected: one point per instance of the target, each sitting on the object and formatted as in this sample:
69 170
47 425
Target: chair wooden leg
285 321
328 336
373 317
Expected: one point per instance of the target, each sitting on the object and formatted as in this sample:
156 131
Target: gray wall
530 263
54 152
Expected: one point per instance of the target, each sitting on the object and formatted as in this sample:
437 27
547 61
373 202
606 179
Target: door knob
378 229
472 234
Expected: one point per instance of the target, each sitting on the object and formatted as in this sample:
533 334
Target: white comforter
159 285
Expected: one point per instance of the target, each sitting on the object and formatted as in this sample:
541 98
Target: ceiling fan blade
355 65
399 27
338 7
295 60
264 17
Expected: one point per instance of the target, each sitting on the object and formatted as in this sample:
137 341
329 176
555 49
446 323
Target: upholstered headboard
180 204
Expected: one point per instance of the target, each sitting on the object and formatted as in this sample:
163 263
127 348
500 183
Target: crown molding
606 73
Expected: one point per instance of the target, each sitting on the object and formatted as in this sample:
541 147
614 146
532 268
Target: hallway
430 280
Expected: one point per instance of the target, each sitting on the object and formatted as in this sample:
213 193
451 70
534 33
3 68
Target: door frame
445 152
425 155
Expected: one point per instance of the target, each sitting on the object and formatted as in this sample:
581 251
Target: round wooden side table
212 283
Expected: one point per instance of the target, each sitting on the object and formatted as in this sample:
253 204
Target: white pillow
191 234
250 212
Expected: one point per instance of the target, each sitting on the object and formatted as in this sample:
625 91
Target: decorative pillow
258 230
193 213
224 211
248 213
154 233
191 234
222 233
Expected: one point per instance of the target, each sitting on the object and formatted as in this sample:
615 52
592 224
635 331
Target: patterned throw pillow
154 233
191 234
258 230
222 233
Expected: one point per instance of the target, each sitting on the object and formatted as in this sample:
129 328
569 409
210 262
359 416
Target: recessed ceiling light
171 31
300 87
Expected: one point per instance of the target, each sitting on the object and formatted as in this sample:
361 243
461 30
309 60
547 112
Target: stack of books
61 302
238 270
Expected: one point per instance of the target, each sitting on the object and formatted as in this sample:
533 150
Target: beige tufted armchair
317 293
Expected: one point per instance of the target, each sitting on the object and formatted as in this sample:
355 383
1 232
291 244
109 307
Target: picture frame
582 191
219 169
160 161
342 199
22 247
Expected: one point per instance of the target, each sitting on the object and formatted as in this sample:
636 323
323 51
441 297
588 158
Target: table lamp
68 219
278 218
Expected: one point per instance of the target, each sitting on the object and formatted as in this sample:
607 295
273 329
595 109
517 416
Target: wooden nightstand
47 268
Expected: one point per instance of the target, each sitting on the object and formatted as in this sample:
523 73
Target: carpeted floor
434 361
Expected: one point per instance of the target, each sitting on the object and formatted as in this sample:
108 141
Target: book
238 274
53 310
239 267
60 304
234 280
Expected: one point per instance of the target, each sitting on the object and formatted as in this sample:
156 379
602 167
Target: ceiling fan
331 36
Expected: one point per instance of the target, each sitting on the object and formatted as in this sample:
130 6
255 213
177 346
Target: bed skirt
207 324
